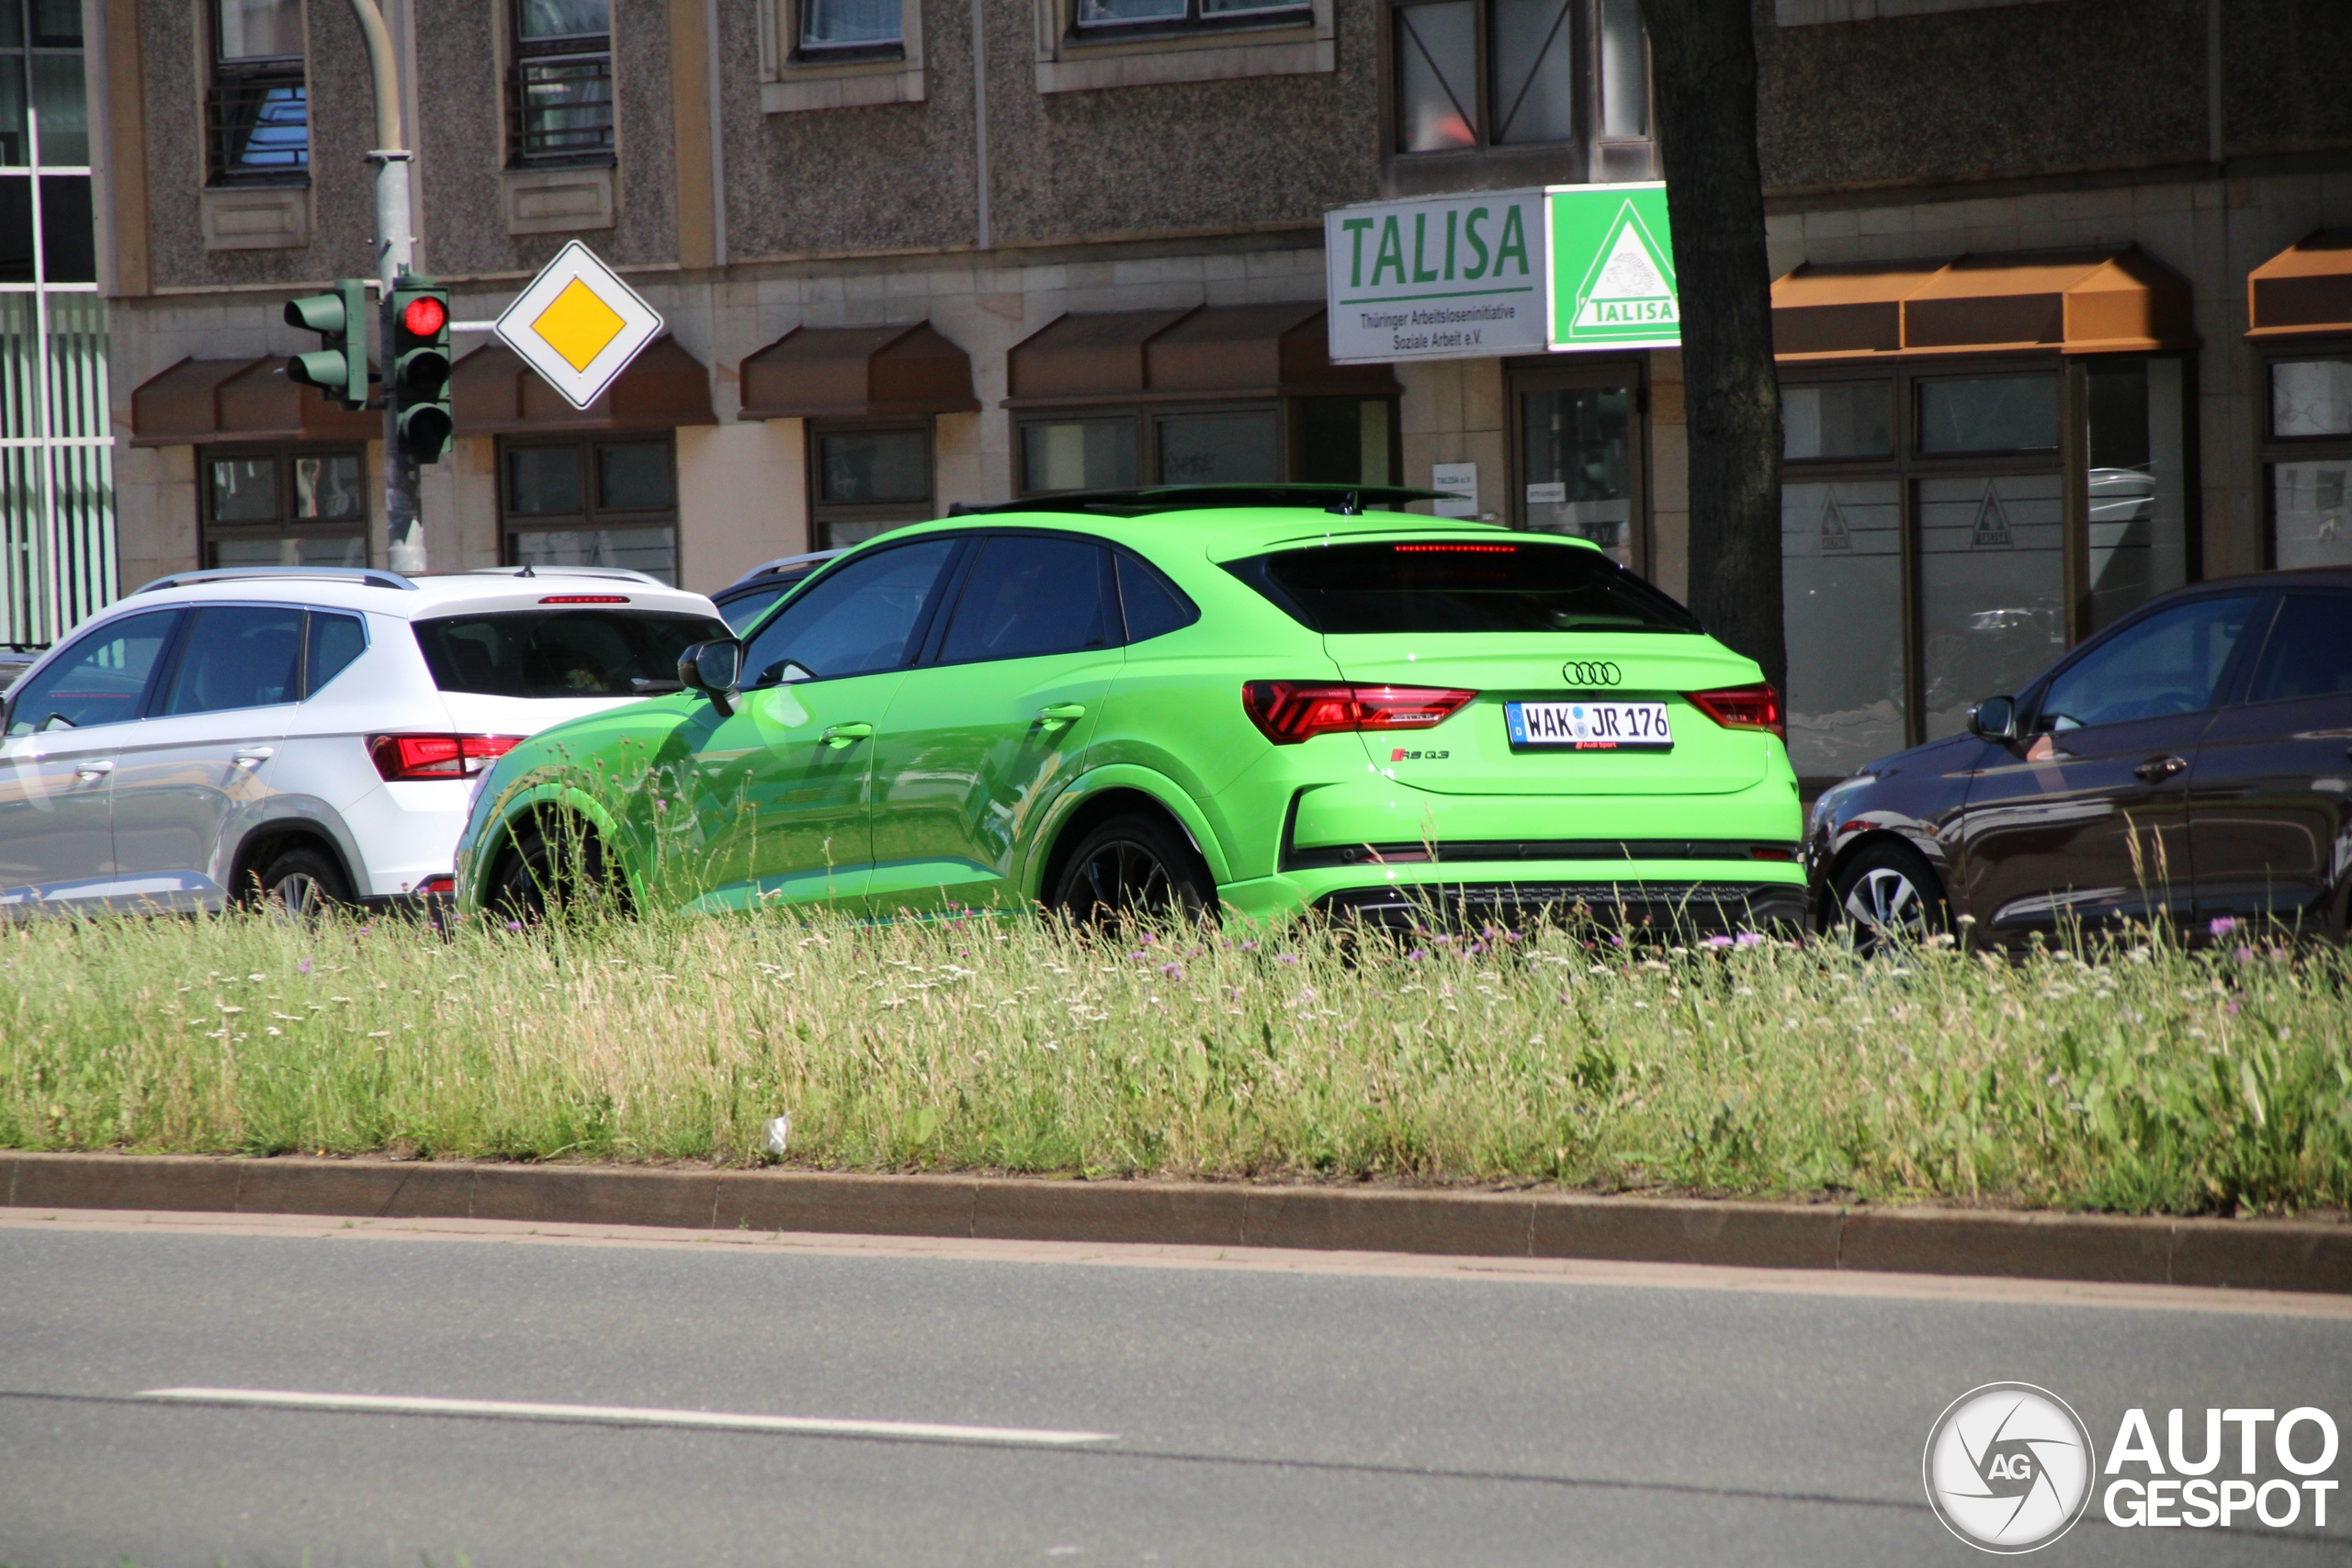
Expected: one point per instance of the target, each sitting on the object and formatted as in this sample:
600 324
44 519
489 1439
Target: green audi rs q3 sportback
1199 699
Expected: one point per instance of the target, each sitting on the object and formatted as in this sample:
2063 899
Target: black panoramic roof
1346 500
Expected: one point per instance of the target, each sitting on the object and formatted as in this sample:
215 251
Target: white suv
304 734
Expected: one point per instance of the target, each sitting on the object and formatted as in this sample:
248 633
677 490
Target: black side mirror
1995 719
714 668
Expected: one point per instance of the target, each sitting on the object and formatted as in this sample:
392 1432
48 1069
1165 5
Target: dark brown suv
2192 761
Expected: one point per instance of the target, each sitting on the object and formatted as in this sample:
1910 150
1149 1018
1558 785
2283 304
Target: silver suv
308 735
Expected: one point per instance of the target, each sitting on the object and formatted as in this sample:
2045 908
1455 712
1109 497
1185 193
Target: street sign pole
403 530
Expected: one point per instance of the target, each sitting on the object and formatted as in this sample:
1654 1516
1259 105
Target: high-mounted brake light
1459 550
1744 708
1290 711
399 757
586 599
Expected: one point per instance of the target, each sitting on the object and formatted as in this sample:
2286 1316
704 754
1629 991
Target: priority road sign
578 324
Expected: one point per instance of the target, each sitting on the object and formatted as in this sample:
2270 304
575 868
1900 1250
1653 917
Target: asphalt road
1289 1411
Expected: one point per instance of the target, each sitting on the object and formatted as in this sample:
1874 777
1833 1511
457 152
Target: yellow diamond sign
577 325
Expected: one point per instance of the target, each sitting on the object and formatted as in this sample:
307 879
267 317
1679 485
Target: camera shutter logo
1590 672
2008 1467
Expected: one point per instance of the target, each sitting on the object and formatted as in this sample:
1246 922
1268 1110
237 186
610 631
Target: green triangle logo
1629 287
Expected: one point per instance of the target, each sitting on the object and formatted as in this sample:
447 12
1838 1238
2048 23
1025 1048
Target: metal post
403 531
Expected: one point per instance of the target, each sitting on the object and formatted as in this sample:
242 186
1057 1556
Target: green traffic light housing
418 326
339 366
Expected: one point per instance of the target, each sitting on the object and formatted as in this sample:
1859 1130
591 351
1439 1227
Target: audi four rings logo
1592 673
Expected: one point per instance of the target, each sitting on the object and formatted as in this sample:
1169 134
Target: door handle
2157 769
1056 714
839 735
254 756
93 770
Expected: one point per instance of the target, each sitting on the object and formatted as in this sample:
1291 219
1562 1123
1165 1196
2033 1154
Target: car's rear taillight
1292 711
439 886
1744 708
436 756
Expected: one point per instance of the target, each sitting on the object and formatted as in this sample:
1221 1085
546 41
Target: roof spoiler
609 573
357 577
1347 501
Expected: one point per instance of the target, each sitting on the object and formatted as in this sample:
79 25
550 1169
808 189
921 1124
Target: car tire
1887 894
1130 866
552 865
301 883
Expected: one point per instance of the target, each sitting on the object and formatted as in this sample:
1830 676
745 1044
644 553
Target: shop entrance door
1578 451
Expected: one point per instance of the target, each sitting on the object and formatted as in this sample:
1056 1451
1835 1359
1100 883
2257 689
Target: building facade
2054 337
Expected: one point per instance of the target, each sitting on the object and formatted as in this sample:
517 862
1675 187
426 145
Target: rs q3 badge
1592 673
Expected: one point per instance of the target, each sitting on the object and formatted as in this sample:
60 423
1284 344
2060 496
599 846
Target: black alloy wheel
1131 866
1888 895
553 865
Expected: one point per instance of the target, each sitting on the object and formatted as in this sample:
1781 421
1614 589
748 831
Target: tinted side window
100 680
2169 663
1153 605
560 653
238 656
855 621
1029 594
336 641
2309 651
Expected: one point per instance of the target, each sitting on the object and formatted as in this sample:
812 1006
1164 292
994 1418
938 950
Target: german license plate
1589 726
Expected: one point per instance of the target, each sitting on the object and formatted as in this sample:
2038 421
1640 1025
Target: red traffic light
423 316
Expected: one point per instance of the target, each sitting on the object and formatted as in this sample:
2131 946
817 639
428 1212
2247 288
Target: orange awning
202 400
2090 301
2304 290
858 373
1209 351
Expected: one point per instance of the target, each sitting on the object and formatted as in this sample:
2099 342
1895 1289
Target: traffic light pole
403 531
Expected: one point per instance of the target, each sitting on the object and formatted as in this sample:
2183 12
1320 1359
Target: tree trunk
1703 54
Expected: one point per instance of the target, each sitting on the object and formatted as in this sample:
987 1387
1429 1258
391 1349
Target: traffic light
339 366
420 366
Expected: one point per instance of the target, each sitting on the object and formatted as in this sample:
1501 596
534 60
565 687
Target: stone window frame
210 531
2273 448
789 85
880 516
593 515
1302 44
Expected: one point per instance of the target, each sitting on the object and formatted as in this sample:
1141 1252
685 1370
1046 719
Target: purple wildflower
1749 939
1718 941
303 967
2222 926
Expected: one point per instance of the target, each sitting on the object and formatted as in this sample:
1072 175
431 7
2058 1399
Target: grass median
2141 1079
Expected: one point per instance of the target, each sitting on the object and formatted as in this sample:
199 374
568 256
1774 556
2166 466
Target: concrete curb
2269 1255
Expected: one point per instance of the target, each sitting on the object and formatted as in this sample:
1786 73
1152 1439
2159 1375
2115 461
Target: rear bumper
1695 898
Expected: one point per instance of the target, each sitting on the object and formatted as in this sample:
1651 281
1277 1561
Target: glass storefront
2310 448
1578 436
1944 536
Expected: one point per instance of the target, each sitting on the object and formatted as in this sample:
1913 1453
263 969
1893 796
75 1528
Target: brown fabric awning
495 393
858 373
2093 301
1220 350
2304 290
202 400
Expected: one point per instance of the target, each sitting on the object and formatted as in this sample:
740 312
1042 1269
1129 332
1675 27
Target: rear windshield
1454 586
560 653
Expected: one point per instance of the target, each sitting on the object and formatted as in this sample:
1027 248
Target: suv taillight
1292 711
1744 708
436 756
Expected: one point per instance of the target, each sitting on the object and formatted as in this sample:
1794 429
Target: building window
1331 440
1099 20
258 115
849 29
284 506
2309 460
867 479
1947 529
560 90
610 503
1472 74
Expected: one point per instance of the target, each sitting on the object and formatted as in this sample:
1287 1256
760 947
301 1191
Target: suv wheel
1889 893
1132 866
300 883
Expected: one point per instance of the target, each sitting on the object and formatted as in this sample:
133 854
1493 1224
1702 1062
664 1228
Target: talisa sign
1448 277
1612 268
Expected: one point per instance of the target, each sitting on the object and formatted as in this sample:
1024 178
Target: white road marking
625 1415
